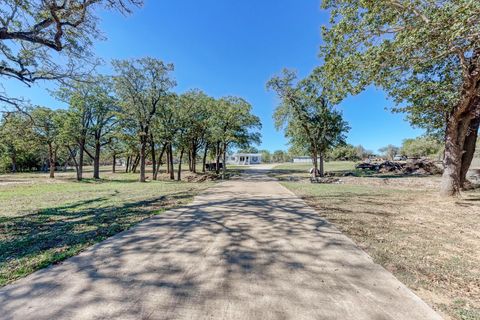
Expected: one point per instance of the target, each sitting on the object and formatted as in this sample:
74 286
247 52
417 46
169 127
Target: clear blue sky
232 47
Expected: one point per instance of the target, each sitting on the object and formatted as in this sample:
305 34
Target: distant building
245 159
302 159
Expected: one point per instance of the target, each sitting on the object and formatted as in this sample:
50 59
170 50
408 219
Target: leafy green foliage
421 147
280 156
310 122
19 147
43 40
345 152
417 51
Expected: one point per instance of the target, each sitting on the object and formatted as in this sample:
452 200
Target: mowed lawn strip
431 244
45 221
305 167
289 171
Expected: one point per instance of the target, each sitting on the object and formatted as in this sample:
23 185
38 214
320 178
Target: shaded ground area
43 221
430 243
245 249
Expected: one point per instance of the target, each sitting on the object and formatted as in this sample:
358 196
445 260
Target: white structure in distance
302 160
245 159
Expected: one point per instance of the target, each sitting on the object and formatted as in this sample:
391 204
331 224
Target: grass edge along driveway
45 223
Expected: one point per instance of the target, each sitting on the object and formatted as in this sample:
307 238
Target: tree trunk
80 166
469 149
460 123
190 168
194 160
204 161
168 159
454 141
154 159
135 164
143 148
159 163
217 158
179 174
114 164
14 163
74 158
224 162
96 160
51 159
315 165
172 170
81 145
127 164
321 169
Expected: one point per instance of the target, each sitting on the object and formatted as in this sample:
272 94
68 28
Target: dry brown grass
430 243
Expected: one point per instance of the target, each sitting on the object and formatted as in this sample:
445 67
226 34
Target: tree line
134 115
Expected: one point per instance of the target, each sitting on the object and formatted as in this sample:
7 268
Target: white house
302 160
245 159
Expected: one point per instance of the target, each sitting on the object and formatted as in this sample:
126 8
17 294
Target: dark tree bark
114 164
159 162
172 170
217 158
52 158
96 160
224 161
127 164
204 161
143 148
135 163
81 145
190 168
469 149
78 169
315 164
168 159
154 159
194 159
179 174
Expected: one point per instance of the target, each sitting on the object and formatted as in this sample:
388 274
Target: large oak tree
424 54
309 120
49 39
142 86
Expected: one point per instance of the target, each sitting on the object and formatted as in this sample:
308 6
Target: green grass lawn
43 221
329 166
288 171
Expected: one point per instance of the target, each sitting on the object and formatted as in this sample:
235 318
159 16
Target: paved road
245 249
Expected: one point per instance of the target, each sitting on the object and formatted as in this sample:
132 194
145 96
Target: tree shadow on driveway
227 255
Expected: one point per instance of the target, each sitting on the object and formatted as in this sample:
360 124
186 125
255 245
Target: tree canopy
309 120
424 54
49 39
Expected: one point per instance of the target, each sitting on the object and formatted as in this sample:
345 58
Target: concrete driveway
245 249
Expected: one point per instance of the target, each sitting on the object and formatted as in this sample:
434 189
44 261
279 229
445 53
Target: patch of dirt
327 180
430 243
429 183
